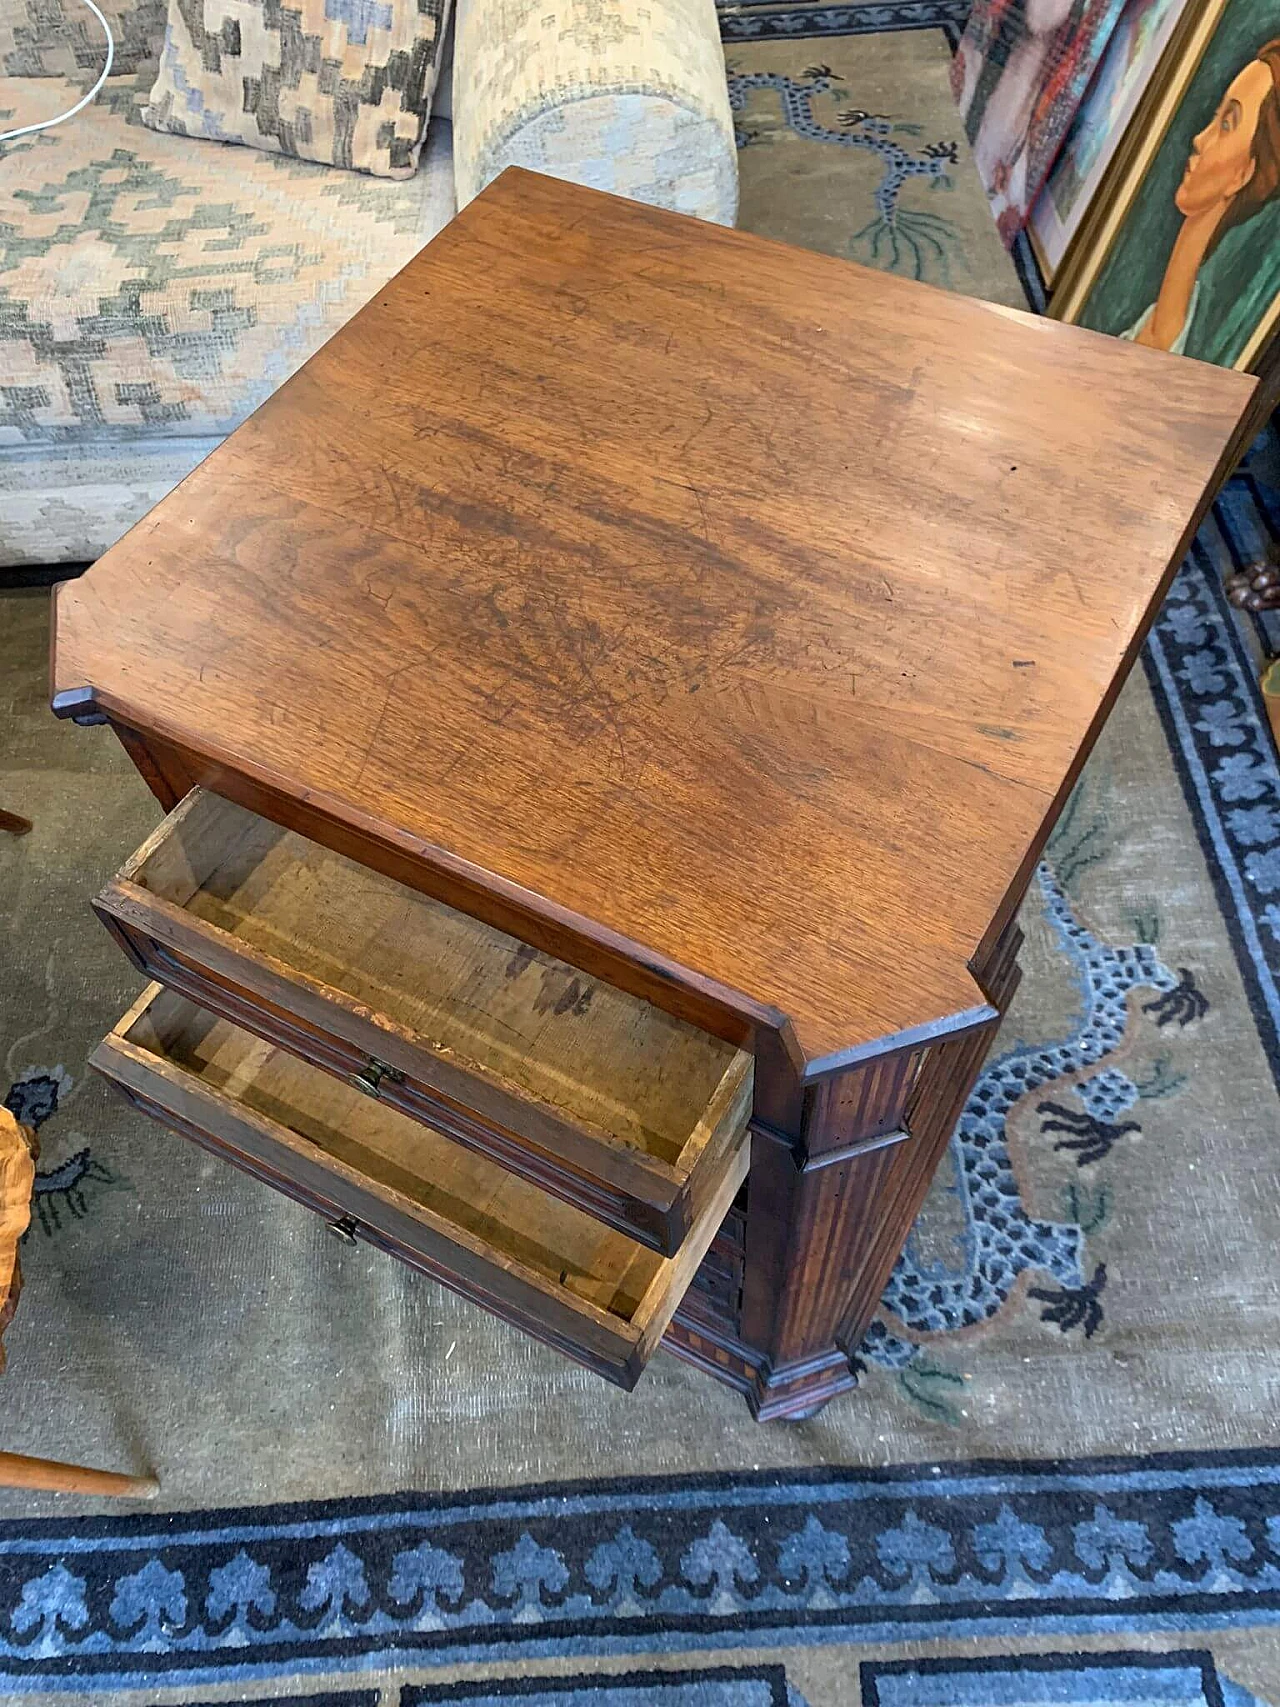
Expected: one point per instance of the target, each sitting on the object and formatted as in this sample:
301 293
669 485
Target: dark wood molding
825 1224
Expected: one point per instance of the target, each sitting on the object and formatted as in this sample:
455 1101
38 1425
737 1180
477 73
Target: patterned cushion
630 98
62 38
69 506
153 291
345 82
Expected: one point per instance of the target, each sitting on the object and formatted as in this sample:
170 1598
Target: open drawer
595 1095
376 1174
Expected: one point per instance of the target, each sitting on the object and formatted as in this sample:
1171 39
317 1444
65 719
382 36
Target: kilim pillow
346 82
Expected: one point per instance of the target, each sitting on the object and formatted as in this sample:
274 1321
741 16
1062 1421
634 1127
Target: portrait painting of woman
1195 265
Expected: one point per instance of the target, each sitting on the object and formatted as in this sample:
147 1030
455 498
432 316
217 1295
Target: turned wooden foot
16 825
1256 587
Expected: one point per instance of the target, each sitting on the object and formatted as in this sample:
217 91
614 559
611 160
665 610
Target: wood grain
826 1220
20 1470
742 612
723 621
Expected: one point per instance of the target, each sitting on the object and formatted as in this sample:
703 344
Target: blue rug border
342 1696
254 1668
925 1473
871 17
1096 1545
1263 1025
426 1694
1152 1659
984 1665
1224 854
675 1633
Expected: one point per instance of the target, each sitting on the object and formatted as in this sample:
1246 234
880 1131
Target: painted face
1222 162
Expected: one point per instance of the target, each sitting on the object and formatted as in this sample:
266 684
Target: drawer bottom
542 1264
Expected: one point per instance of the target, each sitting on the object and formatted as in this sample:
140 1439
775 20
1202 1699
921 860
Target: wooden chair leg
15 825
19 1471
18 1150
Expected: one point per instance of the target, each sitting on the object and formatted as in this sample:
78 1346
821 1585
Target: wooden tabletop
731 603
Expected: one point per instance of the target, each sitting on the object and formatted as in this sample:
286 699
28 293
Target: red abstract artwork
1019 74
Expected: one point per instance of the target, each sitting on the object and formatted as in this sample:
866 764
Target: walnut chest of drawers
608 706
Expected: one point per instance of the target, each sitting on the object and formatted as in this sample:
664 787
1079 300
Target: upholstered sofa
154 289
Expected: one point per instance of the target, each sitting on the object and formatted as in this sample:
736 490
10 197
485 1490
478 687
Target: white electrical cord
43 124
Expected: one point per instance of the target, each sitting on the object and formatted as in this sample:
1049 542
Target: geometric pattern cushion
62 38
344 82
153 291
629 97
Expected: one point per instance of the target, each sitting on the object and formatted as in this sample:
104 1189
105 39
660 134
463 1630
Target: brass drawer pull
344 1229
369 1079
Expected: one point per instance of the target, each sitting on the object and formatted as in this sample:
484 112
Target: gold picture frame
1116 199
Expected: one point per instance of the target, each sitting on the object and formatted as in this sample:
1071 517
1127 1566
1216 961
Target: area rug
1059 1480
852 144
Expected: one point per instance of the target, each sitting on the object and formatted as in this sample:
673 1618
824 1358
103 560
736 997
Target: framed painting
1146 31
1187 257
1019 74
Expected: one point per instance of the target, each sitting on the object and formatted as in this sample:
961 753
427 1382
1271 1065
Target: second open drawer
601 1099
376 1175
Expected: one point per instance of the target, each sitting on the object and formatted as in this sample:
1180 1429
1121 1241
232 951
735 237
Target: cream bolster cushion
621 95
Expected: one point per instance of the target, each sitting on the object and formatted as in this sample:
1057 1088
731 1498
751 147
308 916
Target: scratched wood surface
748 605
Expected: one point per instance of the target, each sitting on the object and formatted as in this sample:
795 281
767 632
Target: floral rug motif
707 1565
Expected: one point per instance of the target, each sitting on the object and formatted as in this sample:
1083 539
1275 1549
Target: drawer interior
515 1221
624 1070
